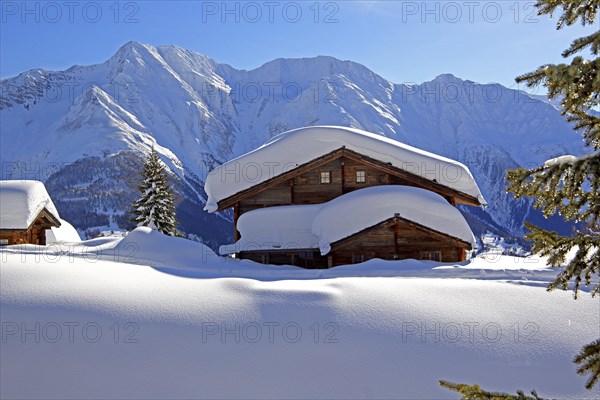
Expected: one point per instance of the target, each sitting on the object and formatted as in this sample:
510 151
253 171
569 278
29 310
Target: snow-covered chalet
26 212
323 196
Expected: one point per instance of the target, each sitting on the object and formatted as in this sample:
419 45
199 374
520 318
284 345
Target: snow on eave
288 150
22 202
319 226
276 228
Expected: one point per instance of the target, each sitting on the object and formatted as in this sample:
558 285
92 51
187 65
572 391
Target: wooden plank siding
309 258
34 234
306 187
394 239
397 239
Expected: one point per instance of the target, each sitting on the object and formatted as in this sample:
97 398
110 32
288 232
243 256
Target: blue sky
403 41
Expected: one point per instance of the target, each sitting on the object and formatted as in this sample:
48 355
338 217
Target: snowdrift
145 245
64 233
78 322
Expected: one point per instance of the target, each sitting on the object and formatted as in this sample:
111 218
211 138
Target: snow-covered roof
271 228
21 201
319 225
288 150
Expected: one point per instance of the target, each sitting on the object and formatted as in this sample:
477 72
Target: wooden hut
26 212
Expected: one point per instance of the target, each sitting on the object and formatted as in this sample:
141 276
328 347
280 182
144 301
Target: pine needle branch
474 392
589 361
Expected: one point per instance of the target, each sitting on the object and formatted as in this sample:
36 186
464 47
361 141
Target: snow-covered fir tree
568 185
155 207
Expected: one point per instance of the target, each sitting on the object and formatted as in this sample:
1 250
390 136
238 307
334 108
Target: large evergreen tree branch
584 11
580 253
570 186
589 361
474 392
593 41
577 82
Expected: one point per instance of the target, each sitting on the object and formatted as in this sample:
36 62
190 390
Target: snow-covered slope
82 130
156 317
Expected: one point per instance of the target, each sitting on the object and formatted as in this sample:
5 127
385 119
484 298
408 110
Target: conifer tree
155 208
568 185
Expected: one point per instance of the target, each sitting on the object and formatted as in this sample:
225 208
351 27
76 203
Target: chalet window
326 177
306 255
358 258
431 255
361 176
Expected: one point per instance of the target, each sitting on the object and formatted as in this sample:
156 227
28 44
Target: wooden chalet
334 174
26 212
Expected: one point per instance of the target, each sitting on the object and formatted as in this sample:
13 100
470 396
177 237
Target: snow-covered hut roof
291 149
21 202
271 228
319 225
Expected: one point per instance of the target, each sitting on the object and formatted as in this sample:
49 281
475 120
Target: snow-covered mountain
84 130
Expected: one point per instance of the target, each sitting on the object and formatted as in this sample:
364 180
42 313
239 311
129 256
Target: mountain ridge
199 113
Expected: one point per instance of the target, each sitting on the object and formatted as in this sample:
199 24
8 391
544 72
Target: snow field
172 325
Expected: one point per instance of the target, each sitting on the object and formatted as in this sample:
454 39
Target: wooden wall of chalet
32 235
310 259
396 241
35 234
308 189
392 240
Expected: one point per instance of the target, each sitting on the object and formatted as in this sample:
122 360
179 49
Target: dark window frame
431 255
